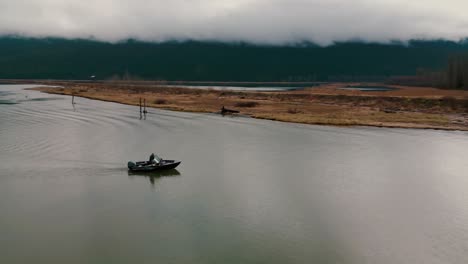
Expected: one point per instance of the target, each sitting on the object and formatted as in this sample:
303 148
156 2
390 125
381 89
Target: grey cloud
257 21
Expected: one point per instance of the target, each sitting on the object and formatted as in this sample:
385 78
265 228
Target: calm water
238 88
246 86
369 88
247 191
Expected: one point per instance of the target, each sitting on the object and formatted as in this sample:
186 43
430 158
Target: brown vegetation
405 107
293 111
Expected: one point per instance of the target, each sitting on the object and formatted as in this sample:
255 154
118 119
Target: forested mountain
51 58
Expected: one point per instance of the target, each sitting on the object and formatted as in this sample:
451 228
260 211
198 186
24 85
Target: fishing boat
154 164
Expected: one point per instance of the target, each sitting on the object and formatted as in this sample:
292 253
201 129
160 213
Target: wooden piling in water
140 106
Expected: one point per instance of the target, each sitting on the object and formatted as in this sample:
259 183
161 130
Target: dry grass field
405 107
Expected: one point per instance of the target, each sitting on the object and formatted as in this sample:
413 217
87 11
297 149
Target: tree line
453 76
457 72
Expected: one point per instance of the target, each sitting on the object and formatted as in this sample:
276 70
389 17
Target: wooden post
140 105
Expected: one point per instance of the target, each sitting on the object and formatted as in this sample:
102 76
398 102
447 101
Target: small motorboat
154 164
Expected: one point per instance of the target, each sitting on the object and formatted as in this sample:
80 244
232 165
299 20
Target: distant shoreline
328 104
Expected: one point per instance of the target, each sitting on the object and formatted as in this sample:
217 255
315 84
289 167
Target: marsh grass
293 107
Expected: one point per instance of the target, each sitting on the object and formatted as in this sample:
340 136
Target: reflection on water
248 191
7 102
154 175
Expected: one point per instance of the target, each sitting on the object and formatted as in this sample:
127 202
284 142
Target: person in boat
154 159
151 159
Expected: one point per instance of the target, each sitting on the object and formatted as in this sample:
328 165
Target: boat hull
165 165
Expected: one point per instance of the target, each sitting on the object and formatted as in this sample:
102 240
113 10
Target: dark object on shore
155 164
160 101
247 104
228 111
390 111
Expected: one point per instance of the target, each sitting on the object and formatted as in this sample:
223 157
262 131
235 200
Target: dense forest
457 72
50 58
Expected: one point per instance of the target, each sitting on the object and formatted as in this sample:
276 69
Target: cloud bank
255 21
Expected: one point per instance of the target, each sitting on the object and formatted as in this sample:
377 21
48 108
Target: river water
247 191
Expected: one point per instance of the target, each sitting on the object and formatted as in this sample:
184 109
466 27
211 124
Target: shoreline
405 107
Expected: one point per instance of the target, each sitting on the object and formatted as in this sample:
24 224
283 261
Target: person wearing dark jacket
151 159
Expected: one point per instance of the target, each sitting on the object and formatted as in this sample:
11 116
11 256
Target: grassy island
329 104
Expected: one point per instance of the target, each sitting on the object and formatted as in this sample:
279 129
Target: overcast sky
258 21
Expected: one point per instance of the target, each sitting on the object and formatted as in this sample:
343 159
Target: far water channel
247 191
237 88
245 86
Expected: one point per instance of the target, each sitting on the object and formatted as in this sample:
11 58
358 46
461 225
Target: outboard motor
130 164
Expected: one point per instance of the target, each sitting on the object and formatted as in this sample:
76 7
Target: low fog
254 21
